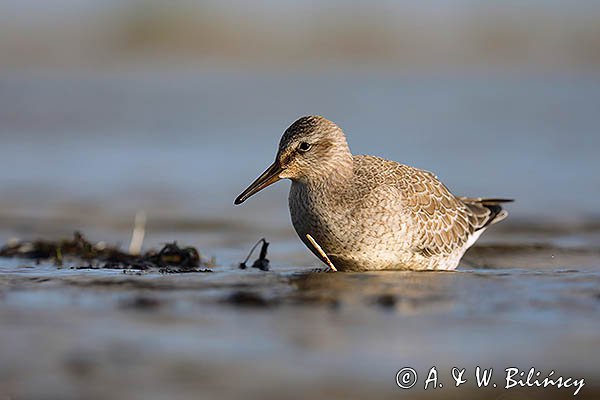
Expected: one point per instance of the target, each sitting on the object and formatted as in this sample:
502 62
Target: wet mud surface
293 332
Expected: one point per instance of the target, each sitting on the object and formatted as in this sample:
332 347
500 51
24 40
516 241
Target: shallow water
87 152
288 333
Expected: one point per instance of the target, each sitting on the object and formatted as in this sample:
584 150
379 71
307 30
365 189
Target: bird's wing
442 221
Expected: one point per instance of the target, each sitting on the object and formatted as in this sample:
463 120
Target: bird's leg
321 252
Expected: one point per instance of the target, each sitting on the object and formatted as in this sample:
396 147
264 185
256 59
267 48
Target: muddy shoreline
291 332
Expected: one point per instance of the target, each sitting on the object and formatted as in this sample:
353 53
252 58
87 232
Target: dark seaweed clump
170 259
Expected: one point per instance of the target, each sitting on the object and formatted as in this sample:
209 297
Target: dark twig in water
261 262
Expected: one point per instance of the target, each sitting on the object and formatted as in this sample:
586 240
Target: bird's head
311 149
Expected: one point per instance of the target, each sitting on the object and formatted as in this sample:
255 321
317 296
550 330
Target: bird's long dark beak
270 176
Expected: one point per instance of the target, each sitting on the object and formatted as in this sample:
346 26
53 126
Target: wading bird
367 213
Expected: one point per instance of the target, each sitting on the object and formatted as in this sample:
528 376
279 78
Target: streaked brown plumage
368 213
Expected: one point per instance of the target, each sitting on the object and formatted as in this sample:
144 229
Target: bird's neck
337 179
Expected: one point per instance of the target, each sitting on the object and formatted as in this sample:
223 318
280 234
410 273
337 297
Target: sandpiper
368 213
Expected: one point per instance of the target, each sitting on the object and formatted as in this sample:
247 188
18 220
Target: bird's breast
313 213
370 231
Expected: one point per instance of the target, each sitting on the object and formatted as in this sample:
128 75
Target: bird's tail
486 211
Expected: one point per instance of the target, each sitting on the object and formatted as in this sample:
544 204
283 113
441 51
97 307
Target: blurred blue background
108 107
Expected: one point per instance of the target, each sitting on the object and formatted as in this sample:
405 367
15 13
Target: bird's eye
304 147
